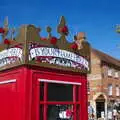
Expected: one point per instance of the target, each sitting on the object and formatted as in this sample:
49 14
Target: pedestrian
115 114
90 112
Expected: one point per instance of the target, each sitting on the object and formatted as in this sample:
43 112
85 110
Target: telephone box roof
28 47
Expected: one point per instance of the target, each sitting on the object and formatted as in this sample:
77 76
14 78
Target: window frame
109 72
116 75
110 89
75 103
117 90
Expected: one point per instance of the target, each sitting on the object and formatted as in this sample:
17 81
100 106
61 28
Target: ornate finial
49 32
81 36
79 39
12 33
62 30
52 39
62 21
6 22
6 29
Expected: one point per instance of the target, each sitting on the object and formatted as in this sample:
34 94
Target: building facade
103 83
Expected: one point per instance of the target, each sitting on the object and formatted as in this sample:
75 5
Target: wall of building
114 81
99 80
94 78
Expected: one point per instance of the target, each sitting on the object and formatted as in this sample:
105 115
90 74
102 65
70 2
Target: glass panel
60 92
60 112
110 89
41 91
41 112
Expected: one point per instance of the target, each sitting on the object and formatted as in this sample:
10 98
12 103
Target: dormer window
109 72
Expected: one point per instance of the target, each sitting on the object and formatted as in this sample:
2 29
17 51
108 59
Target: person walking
115 114
90 112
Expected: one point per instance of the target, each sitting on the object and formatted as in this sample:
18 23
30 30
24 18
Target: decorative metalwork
29 40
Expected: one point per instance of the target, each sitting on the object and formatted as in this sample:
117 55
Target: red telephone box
43 78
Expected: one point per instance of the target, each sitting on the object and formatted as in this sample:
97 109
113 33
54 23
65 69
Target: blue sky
95 17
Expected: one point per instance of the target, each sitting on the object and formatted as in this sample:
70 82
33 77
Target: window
117 90
60 92
59 101
109 72
110 89
116 75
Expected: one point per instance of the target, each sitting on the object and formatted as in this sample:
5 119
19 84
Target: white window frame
110 72
116 74
59 81
110 89
7 81
117 90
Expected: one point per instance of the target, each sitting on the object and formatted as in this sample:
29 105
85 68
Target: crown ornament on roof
27 46
31 34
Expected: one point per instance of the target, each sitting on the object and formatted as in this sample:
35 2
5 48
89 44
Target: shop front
43 78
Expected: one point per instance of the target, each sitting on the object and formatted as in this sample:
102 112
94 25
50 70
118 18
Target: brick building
103 83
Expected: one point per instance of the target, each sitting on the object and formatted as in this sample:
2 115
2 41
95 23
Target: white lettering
6 56
54 52
11 52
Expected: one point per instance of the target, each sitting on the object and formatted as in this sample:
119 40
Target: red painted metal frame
19 95
74 101
45 103
45 100
24 94
70 78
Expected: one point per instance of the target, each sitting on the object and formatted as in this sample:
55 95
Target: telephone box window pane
41 91
60 92
41 112
60 112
